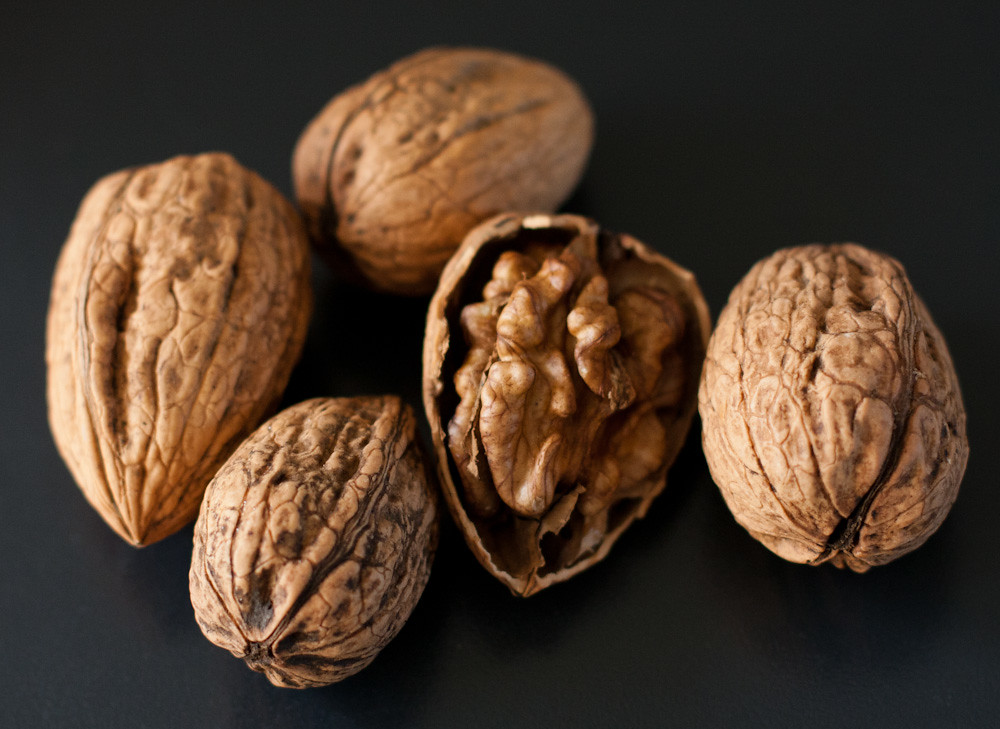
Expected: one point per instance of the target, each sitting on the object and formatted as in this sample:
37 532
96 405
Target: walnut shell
315 540
831 414
560 372
395 171
179 305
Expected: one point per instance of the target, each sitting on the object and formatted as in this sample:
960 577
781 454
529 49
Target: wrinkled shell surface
315 540
179 305
831 414
560 374
395 171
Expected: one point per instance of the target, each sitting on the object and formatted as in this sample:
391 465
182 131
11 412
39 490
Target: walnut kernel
560 373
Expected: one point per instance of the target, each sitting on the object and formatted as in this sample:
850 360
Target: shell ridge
126 520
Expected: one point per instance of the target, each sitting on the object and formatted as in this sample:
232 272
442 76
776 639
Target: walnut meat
315 540
179 305
560 373
394 172
831 413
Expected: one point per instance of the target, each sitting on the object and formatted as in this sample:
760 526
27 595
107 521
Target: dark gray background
724 132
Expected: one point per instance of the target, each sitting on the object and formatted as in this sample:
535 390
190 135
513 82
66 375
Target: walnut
393 173
832 418
560 373
179 305
315 540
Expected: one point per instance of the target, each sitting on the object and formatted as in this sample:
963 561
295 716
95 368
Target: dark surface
723 133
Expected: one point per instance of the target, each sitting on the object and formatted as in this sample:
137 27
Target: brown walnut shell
395 171
179 305
831 414
561 365
315 540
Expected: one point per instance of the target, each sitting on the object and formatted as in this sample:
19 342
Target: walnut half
832 419
560 372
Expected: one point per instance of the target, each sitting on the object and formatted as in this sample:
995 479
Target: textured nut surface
395 171
315 540
179 305
831 414
560 372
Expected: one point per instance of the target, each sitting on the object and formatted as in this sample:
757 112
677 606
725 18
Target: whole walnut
315 540
561 365
393 173
179 306
831 414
